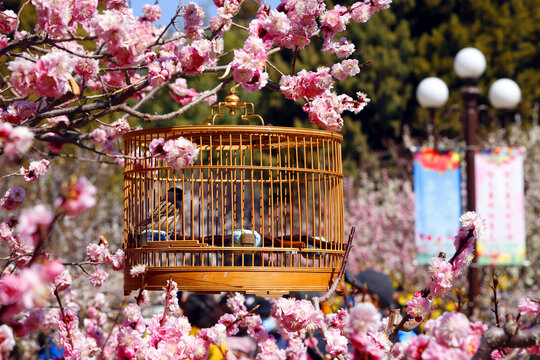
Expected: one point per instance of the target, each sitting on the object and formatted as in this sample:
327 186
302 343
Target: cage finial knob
231 100
232 103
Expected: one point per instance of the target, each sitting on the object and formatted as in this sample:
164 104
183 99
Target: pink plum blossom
326 111
5 231
10 289
529 308
366 346
306 84
53 71
194 58
347 68
336 343
97 252
231 324
63 281
87 68
180 153
363 318
98 277
237 304
83 10
35 170
8 21
4 40
15 141
137 270
337 319
336 20
181 93
156 148
451 329
52 19
18 111
79 196
413 347
117 129
418 307
125 38
12 199
7 342
295 315
116 260
169 298
248 64
269 350
342 48
472 221
23 76
442 275
34 224
151 12
193 16
362 11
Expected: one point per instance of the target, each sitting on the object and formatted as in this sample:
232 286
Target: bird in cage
161 221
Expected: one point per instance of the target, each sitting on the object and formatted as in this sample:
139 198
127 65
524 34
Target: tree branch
496 337
337 280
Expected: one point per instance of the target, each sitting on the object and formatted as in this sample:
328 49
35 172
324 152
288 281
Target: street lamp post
504 95
469 65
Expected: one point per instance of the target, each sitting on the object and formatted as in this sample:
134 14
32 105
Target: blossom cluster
29 288
127 46
450 336
180 92
14 141
13 198
17 111
100 254
48 76
77 196
178 153
296 315
35 170
105 135
444 272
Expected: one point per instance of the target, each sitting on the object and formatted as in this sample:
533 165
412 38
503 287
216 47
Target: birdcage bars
280 183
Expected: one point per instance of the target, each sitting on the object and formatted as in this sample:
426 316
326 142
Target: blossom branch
495 308
115 323
496 337
171 23
150 118
426 291
341 272
64 317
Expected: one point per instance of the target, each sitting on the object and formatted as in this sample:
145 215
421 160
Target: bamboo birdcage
260 211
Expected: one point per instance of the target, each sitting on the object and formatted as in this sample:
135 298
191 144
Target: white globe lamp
432 93
504 94
469 63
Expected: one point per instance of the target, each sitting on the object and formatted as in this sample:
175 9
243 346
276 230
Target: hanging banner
437 194
500 200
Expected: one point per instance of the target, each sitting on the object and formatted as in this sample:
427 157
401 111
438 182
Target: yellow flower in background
505 282
451 306
404 298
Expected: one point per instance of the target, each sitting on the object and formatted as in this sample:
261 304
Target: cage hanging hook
233 103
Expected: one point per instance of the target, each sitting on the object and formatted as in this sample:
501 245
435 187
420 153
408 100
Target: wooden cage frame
260 211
